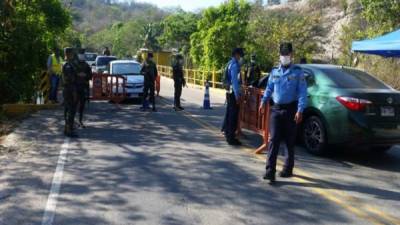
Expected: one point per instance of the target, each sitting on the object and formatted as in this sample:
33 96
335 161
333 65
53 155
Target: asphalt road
133 167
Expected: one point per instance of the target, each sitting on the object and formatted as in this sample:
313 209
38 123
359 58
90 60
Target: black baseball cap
150 55
238 51
286 48
69 50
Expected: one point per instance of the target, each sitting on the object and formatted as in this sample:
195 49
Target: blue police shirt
286 86
234 74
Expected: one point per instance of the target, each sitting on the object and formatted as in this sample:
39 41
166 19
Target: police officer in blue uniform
233 97
288 90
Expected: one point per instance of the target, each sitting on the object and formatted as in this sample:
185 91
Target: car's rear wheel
381 150
314 135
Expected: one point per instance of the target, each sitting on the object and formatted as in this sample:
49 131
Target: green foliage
382 15
377 17
267 29
150 36
28 31
178 28
219 31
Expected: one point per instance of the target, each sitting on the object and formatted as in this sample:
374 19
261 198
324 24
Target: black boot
286 173
82 125
234 142
269 175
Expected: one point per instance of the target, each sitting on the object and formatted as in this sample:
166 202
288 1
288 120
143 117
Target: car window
126 68
104 61
90 57
352 78
310 79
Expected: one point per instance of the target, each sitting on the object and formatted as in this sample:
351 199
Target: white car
129 69
90 58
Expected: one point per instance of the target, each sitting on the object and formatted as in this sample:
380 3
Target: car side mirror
310 79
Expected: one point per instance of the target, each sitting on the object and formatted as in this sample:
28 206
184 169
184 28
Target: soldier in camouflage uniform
69 75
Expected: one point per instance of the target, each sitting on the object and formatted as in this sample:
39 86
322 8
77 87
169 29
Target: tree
268 28
150 36
28 31
219 31
177 29
382 16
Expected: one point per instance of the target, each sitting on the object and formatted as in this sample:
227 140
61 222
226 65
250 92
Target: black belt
285 106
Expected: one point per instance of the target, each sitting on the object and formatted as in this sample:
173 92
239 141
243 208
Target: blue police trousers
231 117
282 129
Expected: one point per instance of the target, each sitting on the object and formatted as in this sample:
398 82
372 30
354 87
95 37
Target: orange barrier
158 84
109 87
251 118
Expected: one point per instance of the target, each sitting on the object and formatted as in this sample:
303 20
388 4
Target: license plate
387 111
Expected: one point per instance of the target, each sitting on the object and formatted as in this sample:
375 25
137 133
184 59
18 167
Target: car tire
314 135
381 150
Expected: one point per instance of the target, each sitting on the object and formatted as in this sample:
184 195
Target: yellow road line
362 210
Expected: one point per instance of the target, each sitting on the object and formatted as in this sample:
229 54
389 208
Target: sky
187 5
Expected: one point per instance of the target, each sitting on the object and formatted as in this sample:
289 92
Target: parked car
90 58
102 63
349 107
129 69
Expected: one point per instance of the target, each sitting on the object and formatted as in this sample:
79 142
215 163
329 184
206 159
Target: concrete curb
14 110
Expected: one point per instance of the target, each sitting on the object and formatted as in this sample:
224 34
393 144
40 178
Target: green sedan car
350 107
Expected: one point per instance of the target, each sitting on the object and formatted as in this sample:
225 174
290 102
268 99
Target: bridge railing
195 76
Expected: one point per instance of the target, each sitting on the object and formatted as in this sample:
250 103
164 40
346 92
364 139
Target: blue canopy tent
387 45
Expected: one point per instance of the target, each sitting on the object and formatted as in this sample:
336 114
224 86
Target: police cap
238 51
69 50
286 48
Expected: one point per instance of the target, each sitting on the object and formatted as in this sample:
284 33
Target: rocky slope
334 15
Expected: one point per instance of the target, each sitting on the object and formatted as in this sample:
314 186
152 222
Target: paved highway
133 167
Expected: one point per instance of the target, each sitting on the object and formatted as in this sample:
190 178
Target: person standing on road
253 72
149 71
69 72
179 82
233 94
106 52
54 69
287 88
84 76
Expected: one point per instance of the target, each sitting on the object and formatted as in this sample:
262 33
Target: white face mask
81 57
241 61
285 60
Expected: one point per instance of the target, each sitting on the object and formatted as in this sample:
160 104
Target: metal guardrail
197 77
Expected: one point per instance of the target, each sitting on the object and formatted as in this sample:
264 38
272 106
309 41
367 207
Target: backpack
226 78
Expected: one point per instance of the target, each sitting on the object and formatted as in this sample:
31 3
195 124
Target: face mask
253 61
241 61
285 60
81 57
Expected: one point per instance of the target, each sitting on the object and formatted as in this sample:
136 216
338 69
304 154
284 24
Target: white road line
51 205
